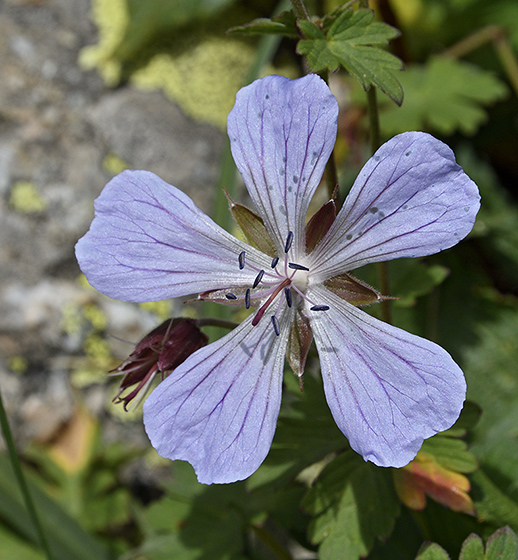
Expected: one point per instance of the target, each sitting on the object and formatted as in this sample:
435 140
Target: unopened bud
159 352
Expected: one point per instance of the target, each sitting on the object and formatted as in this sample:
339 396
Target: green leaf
444 95
67 540
492 504
151 18
413 278
353 40
472 548
502 545
451 453
490 368
284 25
15 548
432 551
306 433
353 503
196 521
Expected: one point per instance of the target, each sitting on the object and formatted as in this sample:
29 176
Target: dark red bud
160 351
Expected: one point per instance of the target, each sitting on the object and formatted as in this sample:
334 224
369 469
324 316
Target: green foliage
306 434
432 551
443 95
67 540
502 545
153 18
352 39
353 503
285 25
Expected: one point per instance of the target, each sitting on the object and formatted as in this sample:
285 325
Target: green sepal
352 39
253 228
299 343
319 224
283 24
353 290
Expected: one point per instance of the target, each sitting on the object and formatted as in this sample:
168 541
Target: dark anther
287 293
320 308
230 296
258 278
242 260
275 324
275 261
247 298
289 241
296 266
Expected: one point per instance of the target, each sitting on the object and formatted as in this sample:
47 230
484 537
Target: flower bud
160 351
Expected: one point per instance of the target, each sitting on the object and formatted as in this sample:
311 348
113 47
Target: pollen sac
353 290
160 351
253 228
299 343
319 224
236 297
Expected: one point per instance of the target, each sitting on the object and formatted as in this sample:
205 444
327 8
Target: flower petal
282 133
387 389
218 410
149 241
411 199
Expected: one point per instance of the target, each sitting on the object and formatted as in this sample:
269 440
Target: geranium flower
387 389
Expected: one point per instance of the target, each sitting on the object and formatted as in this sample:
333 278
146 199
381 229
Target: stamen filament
267 303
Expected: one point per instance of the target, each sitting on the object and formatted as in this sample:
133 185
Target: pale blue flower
387 389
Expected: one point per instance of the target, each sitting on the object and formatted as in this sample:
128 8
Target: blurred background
91 87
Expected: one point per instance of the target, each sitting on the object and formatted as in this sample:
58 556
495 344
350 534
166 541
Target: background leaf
353 40
353 504
443 95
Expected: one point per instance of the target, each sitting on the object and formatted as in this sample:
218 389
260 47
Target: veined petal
218 410
282 133
149 241
411 199
387 389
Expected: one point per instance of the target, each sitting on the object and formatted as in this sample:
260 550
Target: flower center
300 280
288 277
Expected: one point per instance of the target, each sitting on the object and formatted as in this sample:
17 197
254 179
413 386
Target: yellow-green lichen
199 68
162 309
71 319
17 364
95 316
113 164
112 18
25 198
203 80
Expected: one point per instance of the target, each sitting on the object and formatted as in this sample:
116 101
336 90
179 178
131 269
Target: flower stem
299 9
22 483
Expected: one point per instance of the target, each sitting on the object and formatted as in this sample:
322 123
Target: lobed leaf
444 95
353 503
353 40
